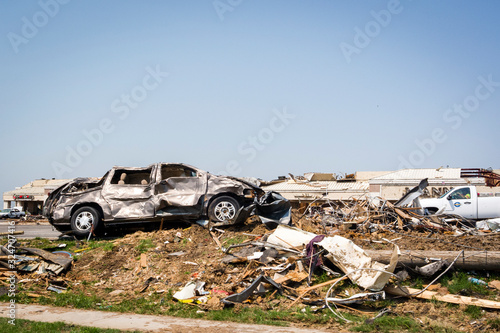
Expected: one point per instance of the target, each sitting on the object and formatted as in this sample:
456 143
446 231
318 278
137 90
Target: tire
83 219
223 209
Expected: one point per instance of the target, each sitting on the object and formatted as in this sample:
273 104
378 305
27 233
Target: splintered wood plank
448 298
144 260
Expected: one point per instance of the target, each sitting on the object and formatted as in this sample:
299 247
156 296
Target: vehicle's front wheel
430 211
83 220
223 209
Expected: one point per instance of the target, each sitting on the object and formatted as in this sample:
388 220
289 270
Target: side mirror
163 182
449 197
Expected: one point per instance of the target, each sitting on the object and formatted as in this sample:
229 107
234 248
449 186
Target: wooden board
448 298
144 260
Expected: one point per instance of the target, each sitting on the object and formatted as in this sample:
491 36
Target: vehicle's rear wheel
223 209
83 219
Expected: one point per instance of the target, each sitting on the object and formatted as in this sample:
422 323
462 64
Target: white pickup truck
466 202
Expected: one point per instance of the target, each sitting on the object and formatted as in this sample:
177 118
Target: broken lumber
294 276
19 232
448 298
327 283
473 260
144 260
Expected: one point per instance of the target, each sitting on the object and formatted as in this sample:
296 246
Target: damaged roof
435 176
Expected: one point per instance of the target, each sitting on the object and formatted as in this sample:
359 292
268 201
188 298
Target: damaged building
390 185
393 185
32 195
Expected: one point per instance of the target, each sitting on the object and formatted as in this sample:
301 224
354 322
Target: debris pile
34 260
350 257
370 214
33 265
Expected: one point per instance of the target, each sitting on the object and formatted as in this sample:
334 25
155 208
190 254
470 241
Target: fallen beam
448 298
471 260
7 233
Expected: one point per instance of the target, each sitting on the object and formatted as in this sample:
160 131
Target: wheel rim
84 221
224 211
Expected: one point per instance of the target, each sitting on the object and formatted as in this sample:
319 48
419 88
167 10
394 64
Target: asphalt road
32 230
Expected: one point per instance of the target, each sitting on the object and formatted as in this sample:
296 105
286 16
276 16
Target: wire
341 279
437 278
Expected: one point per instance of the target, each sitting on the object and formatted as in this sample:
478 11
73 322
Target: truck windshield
446 194
462 193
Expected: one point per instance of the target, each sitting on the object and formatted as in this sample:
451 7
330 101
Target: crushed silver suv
161 191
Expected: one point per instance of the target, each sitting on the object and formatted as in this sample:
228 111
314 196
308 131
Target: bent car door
460 203
128 192
180 190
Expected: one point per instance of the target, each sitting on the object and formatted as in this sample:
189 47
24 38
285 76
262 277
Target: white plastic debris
343 253
290 237
190 291
490 224
255 255
349 257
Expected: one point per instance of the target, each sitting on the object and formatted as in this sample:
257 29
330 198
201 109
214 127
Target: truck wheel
223 209
83 220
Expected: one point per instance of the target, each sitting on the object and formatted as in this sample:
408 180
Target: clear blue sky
252 88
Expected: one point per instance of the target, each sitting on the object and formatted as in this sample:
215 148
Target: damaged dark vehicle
157 193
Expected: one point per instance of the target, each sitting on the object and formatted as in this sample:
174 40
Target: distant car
12 213
161 191
5 213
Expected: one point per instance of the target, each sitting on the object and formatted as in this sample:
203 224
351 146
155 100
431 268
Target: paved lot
32 230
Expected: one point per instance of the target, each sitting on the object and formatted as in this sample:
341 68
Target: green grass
29 326
38 243
417 282
164 304
317 279
238 239
390 324
251 315
71 245
108 246
144 245
473 311
458 283
79 300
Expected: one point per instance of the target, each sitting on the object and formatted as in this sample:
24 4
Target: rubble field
159 265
